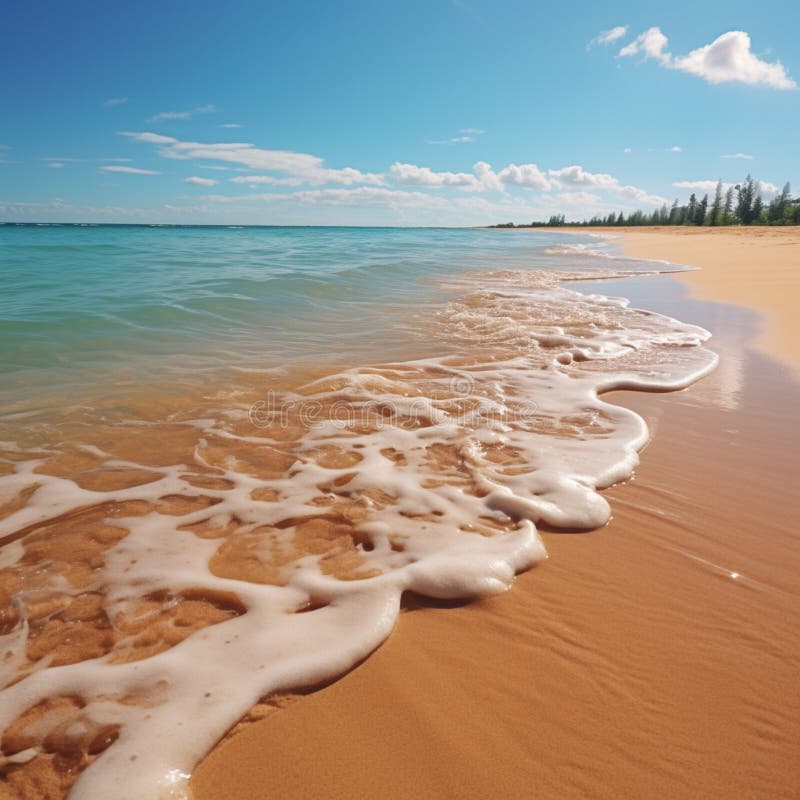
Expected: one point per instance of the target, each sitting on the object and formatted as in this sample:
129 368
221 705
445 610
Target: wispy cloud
608 37
197 181
115 101
710 186
129 170
744 156
207 109
465 135
674 149
70 160
230 125
56 164
271 180
303 166
728 59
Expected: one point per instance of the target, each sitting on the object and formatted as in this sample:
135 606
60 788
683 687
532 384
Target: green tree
727 209
777 208
745 197
700 211
758 210
691 210
673 214
715 215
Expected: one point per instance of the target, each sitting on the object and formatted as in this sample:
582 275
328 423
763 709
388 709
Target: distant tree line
741 204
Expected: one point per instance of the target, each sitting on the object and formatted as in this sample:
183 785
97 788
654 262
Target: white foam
525 362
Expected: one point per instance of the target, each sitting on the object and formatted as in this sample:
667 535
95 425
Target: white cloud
150 138
207 109
675 149
628 150
361 196
728 59
482 178
738 155
702 186
527 175
129 170
486 176
609 36
230 125
369 195
651 44
574 198
640 196
765 187
56 164
303 166
453 140
576 175
253 180
115 101
465 136
412 175
195 181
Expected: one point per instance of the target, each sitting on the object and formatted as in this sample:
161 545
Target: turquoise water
84 305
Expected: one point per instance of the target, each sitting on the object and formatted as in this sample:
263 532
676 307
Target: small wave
239 548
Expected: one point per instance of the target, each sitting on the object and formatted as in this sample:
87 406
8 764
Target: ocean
226 453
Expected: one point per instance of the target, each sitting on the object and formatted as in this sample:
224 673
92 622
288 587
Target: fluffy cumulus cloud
303 166
482 177
528 176
197 181
412 175
285 178
577 176
728 59
608 37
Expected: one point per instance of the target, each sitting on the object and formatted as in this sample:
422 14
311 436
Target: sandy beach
655 657
754 267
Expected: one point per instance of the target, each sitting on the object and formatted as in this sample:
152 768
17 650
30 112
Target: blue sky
436 112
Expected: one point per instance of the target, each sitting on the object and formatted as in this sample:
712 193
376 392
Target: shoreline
756 267
641 657
503 693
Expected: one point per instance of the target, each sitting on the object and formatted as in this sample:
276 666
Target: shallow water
306 424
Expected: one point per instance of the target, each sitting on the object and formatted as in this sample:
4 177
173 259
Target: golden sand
655 658
754 267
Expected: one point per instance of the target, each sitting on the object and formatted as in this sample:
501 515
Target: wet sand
754 267
656 657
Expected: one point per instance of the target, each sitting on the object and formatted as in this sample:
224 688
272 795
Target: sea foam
308 514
